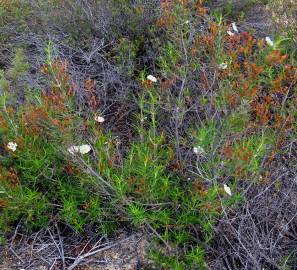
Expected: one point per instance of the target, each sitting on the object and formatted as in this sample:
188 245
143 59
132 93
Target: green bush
213 111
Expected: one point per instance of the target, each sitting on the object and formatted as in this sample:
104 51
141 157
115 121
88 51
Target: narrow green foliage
137 214
4 83
19 65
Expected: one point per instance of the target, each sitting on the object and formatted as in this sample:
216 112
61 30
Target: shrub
207 113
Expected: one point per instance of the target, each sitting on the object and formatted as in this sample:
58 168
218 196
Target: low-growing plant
209 110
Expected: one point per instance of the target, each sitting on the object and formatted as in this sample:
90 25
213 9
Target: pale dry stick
249 254
95 51
58 248
290 147
255 262
259 240
185 50
284 226
44 260
210 86
14 235
200 174
61 245
178 120
283 229
253 225
104 184
88 261
213 80
53 264
15 254
97 262
12 243
81 258
272 247
43 247
267 188
90 9
158 235
227 239
32 246
83 249
177 141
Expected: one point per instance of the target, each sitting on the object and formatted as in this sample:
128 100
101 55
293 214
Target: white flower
82 149
231 34
12 146
152 78
227 190
187 22
198 150
223 66
269 41
99 119
234 27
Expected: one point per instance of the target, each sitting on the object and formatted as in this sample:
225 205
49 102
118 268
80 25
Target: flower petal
12 146
234 27
84 149
198 150
152 78
227 190
99 119
269 41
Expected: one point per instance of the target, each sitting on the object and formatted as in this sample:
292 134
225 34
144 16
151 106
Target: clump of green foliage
174 184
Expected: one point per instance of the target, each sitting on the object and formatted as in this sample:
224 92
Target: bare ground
44 250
